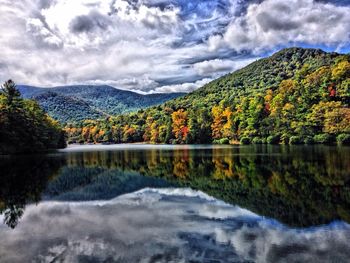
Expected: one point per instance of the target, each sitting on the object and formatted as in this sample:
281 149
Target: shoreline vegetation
24 126
296 96
236 143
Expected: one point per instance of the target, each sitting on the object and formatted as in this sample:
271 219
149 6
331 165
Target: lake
163 203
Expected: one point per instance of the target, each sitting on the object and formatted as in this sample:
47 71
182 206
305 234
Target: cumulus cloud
152 17
149 45
183 87
277 23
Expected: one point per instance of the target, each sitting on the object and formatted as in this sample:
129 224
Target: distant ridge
81 102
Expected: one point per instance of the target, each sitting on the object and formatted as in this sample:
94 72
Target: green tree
24 126
11 94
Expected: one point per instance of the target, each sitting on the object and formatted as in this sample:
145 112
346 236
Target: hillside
81 102
24 126
295 96
266 73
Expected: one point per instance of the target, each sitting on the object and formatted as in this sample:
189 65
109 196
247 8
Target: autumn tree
222 122
180 128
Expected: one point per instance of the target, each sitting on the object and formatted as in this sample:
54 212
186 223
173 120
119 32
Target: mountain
82 102
295 96
263 74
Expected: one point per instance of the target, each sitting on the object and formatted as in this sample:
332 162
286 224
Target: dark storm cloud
89 23
267 22
281 22
210 69
283 8
175 80
220 54
42 4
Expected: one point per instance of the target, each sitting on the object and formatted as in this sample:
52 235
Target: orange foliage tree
180 128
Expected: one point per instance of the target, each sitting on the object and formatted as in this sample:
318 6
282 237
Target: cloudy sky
157 45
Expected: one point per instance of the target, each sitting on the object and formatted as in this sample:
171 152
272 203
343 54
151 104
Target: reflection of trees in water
181 163
297 185
22 181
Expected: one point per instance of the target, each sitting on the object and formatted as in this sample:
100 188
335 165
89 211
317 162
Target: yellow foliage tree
337 120
341 70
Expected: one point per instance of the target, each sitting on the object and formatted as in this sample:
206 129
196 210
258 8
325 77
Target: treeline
305 101
24 126
83 102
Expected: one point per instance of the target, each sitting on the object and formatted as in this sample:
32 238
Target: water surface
146 203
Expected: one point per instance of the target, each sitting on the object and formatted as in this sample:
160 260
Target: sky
151 46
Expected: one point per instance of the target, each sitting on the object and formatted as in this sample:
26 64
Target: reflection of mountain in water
77 183
29 179
299 186
169 225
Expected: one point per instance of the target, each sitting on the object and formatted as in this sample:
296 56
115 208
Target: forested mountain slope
24 126
295 96
266 73
82 102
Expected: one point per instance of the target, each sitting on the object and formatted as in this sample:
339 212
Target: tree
11 94
330 117
222 124
341 70
180 128
337 121
24 126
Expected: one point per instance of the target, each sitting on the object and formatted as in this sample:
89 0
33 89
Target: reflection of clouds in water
166 225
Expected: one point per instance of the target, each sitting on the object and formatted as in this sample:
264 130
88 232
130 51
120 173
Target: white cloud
219 66
151 16
67 42
158 44
133 84
184 87
37 29
274 22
